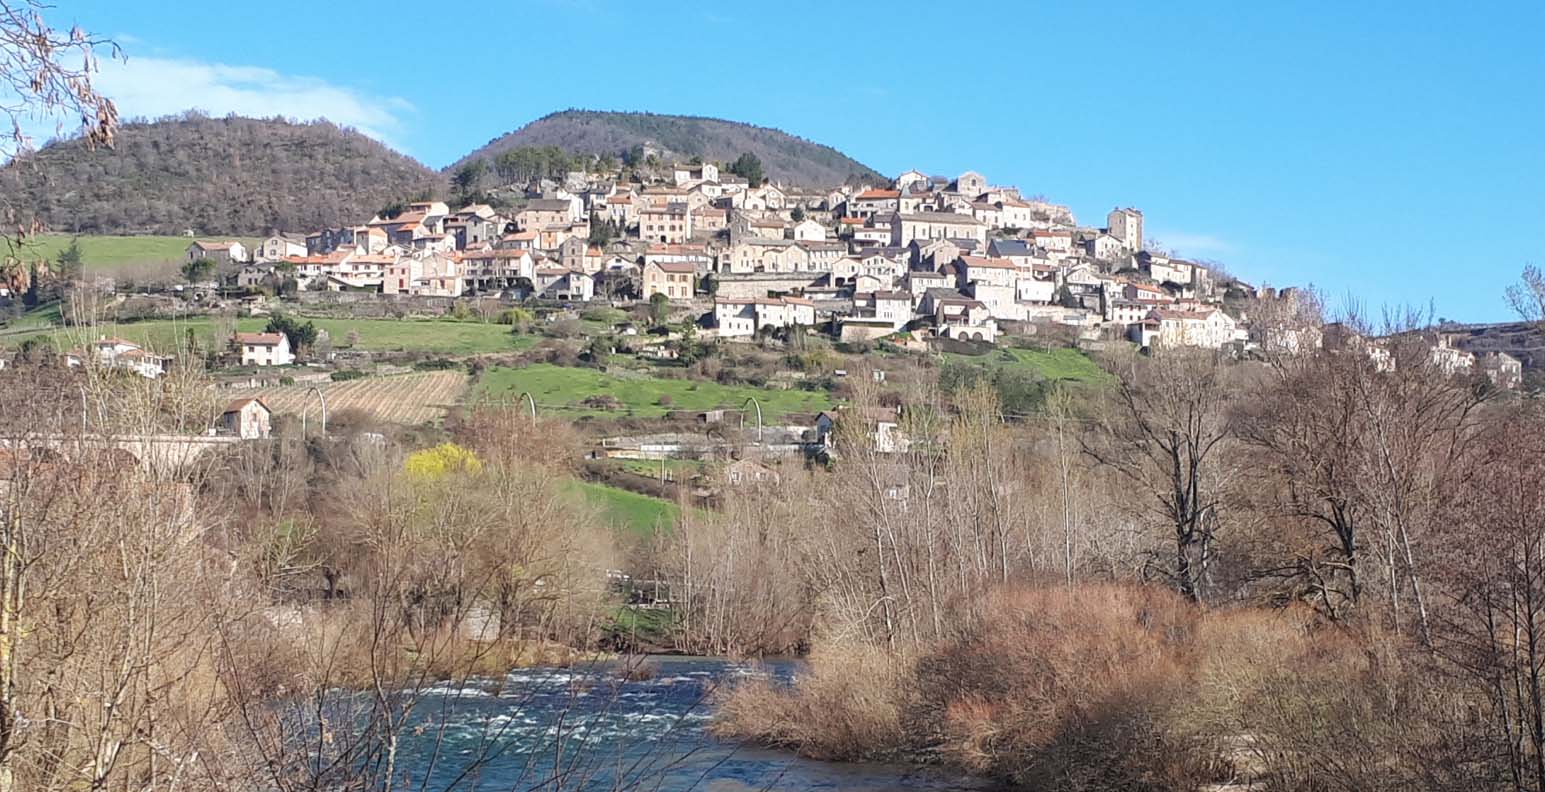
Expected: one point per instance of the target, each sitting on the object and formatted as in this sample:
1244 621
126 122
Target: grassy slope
433 336
1057 364
560 388
107 253
627 511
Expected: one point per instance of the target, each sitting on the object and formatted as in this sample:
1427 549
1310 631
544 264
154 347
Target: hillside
786 158
1522 340
237 176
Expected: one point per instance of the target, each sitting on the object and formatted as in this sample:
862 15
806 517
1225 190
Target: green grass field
682 469
107 253
441 337
627 511
1069 365
563 389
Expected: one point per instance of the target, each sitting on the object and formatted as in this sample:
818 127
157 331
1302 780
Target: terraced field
564 390
414 398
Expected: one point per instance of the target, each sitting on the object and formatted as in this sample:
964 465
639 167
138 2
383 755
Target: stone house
280 246
674 279
565 284
970 184
544 212
750 473
1126 225
669 224
222 253
1054 240
937 225
1504 370
248 419
872 203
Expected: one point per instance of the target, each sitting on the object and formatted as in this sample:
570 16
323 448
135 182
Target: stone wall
758 284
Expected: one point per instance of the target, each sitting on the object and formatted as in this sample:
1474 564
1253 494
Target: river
595 730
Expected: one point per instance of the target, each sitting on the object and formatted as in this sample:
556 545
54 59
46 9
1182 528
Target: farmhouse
227 252
263 349
248 419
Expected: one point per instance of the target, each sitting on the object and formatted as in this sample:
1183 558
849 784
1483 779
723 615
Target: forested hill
237 176
786 158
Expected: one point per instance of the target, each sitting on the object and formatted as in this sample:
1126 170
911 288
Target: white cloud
1194 244
153 87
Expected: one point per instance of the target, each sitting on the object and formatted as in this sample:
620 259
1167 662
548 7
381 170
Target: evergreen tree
748 167
70 265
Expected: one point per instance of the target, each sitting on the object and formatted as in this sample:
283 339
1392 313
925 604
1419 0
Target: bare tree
1491 629
1308 435
1163 433
1527 296
45 74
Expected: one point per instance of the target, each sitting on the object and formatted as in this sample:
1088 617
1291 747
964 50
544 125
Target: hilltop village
928 257
944 257
922 262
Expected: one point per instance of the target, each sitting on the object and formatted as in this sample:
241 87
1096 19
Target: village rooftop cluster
922 257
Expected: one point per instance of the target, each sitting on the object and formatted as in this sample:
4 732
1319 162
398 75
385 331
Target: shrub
564 328
609 316
604 401
344 375
847 707
1068 689
1105 687
440 461
519 319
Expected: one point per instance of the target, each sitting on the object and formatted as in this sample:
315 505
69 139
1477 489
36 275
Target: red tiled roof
236 405
991 263
259 339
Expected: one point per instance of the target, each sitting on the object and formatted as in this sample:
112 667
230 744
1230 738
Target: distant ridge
234 176
787 158
246 176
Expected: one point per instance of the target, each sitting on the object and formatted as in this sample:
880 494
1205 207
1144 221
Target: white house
1105 247
571 285
118 353
893 306
912 178
264 349
745 317
808 230
1209 328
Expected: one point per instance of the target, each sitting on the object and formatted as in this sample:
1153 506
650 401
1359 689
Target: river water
592 729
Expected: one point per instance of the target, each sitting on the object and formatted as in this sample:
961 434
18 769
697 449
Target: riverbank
602 730
1088 689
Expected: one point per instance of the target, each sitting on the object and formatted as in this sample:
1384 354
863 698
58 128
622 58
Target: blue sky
1387 150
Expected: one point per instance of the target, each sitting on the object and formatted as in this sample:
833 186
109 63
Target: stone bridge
154 452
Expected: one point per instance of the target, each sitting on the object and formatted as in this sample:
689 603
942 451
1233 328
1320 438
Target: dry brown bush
848 706
1068 688
1109 687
